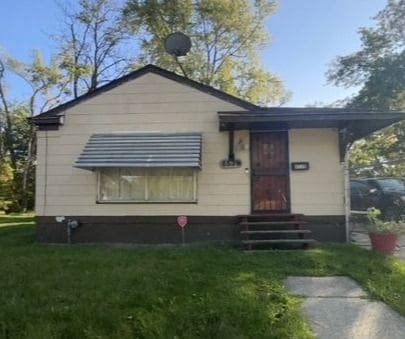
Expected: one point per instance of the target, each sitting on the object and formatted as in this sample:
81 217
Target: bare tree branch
92 42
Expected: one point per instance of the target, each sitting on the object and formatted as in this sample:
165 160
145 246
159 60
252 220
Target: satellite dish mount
178 44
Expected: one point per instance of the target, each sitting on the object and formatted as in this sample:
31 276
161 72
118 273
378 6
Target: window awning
141 150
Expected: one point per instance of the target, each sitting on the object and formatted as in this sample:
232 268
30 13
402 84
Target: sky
306 36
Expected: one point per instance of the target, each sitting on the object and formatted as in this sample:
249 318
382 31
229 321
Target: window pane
109 187
132 183
128 184
170 184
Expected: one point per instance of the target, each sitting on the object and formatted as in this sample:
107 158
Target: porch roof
357 123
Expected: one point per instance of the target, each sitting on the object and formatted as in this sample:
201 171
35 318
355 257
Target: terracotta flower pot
384 243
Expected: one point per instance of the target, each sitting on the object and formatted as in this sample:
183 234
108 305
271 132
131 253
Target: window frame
122 201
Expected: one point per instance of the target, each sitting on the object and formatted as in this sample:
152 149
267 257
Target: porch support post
231 161
344 146
343 142
346 171
231 154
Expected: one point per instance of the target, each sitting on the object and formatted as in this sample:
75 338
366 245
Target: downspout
346 170
45 174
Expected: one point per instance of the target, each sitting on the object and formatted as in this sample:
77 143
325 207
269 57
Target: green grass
58 291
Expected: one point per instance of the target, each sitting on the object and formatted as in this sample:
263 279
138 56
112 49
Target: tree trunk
26 169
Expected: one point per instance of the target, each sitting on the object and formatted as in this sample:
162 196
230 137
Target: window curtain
170 185
155 184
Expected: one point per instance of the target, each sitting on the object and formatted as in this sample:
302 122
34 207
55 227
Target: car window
360 188
392 185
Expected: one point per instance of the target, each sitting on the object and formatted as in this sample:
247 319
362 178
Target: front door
270 172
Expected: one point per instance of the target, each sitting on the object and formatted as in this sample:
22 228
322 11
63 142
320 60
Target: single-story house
124 161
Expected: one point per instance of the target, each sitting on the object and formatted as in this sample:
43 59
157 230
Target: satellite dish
177 44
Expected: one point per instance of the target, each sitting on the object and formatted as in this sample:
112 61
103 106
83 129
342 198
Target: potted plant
383 234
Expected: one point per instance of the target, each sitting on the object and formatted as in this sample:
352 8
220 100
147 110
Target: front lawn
59 291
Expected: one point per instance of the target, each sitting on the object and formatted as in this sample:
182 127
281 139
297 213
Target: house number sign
300 166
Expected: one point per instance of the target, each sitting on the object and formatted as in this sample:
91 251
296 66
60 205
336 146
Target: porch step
258 251
278 241
276 232
273 229
249 223
273 216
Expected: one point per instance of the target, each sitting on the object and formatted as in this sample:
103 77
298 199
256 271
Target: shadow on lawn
18 218
17 234
191 292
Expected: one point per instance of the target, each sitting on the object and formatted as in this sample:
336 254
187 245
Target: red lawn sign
182 220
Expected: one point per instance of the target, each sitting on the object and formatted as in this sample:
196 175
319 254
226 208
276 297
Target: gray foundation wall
164 229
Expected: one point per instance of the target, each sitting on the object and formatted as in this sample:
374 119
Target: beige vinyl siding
153 103
320 190
150 103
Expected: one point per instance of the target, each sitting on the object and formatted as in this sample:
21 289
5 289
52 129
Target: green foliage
48 83
79 292
11 191
376 225
6 183
20 129
17 137
379 68
226 37
194 292
381 154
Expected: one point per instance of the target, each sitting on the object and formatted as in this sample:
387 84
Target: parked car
386 194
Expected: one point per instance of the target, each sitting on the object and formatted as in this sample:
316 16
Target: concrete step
252 223
278 241
259 251
270 215
276 232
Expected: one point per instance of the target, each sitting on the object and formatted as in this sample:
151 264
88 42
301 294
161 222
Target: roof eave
136 74
359 124
47 122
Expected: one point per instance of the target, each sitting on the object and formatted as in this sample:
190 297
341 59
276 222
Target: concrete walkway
337 307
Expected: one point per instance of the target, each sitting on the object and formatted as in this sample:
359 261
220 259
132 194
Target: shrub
376 225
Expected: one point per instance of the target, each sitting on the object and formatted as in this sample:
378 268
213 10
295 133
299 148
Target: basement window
147 185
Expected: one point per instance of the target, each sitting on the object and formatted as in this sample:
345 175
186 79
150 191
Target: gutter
47 122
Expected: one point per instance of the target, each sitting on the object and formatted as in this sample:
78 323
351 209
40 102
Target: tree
6 121
6 172
226 36
92 44
90 53
48 88
48 84
379 68
14 139
6 183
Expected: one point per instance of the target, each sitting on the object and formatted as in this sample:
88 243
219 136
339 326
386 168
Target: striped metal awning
141 150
